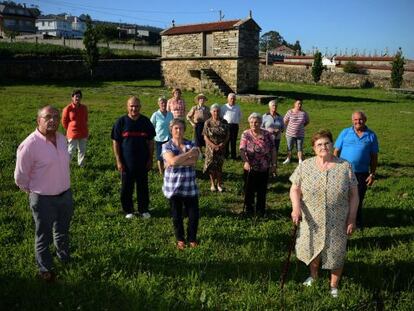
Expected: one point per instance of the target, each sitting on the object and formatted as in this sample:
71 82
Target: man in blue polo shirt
133 145
359 146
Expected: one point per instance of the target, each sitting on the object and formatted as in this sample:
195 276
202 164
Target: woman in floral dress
216 135
324 197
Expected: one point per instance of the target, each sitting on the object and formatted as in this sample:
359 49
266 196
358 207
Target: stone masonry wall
339 79
225 43
183 46
66 70
248 75
176 73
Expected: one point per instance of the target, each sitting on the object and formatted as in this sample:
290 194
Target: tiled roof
217 26
365 58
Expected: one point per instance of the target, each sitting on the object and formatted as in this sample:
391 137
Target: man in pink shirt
42 170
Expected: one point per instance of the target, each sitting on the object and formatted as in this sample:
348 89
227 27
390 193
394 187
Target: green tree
271 40
90 40
106 32
397 70
317 67
297 48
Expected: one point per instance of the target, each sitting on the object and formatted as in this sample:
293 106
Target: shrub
351 67
397 70
317 67
29 50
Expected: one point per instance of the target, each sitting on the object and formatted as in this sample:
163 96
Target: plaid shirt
179 180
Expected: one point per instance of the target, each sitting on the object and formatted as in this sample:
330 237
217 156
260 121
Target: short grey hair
162 98
359 112
41 109
176 121
231 95
255 115
273 102
214 106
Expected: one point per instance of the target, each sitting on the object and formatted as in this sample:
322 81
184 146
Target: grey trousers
52 216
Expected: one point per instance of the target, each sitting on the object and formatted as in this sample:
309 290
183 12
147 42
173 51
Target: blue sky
370 26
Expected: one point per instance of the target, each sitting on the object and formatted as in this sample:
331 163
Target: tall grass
119 264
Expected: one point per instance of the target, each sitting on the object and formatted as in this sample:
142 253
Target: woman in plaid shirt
180 188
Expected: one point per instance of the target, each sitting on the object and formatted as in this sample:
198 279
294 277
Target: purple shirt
41 167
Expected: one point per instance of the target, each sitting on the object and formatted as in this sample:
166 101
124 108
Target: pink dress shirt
41 167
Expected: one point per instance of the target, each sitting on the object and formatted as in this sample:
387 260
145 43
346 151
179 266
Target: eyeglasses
323 145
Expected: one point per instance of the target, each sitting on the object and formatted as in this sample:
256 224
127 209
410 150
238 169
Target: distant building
203 57
283 50
61 26
17 18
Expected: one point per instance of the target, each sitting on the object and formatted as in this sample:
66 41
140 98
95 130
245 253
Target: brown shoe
47 276
180 245
193 244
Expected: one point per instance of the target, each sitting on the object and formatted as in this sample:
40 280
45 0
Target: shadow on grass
322 97
17 293
382 242
387 217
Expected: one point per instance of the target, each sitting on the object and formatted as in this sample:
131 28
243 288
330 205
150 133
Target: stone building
221 56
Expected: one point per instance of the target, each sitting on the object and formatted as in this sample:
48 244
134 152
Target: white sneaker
146 215
309 281
287 161
334 292
129 216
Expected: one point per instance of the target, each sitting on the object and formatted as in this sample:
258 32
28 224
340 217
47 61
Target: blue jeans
52 215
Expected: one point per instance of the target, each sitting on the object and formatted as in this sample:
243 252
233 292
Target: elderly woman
216 135
180 188
295 121
324 197
161 120
176 104
273 123
259 156
197 115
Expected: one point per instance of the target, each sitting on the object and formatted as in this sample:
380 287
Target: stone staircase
211 79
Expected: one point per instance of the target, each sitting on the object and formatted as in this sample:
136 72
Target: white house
61 25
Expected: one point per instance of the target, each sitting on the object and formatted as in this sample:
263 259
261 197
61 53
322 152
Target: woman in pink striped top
295 121
176 104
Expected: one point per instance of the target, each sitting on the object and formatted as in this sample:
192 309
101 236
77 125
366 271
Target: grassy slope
121 264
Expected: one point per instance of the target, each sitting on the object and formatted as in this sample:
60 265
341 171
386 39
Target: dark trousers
128 180
177 203
362 188
231 144
255 184
52 215
198 135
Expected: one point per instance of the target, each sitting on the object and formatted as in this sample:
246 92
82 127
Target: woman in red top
75 122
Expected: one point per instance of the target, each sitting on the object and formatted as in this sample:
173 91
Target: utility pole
221 15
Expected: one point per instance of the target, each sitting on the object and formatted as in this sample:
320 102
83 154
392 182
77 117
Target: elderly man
42 170
75 122
232 114
133 146
359 146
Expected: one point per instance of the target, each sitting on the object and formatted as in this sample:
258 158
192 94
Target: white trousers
79 144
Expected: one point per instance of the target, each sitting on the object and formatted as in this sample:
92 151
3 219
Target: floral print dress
325 208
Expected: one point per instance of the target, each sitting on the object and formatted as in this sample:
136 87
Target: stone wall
226 43
247 75
183 73
186 45
296 74
66 70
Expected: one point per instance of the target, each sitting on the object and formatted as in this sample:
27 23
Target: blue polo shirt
357 150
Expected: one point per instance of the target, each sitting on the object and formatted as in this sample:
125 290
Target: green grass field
121 264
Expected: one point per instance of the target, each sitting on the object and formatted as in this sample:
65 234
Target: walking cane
287 263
